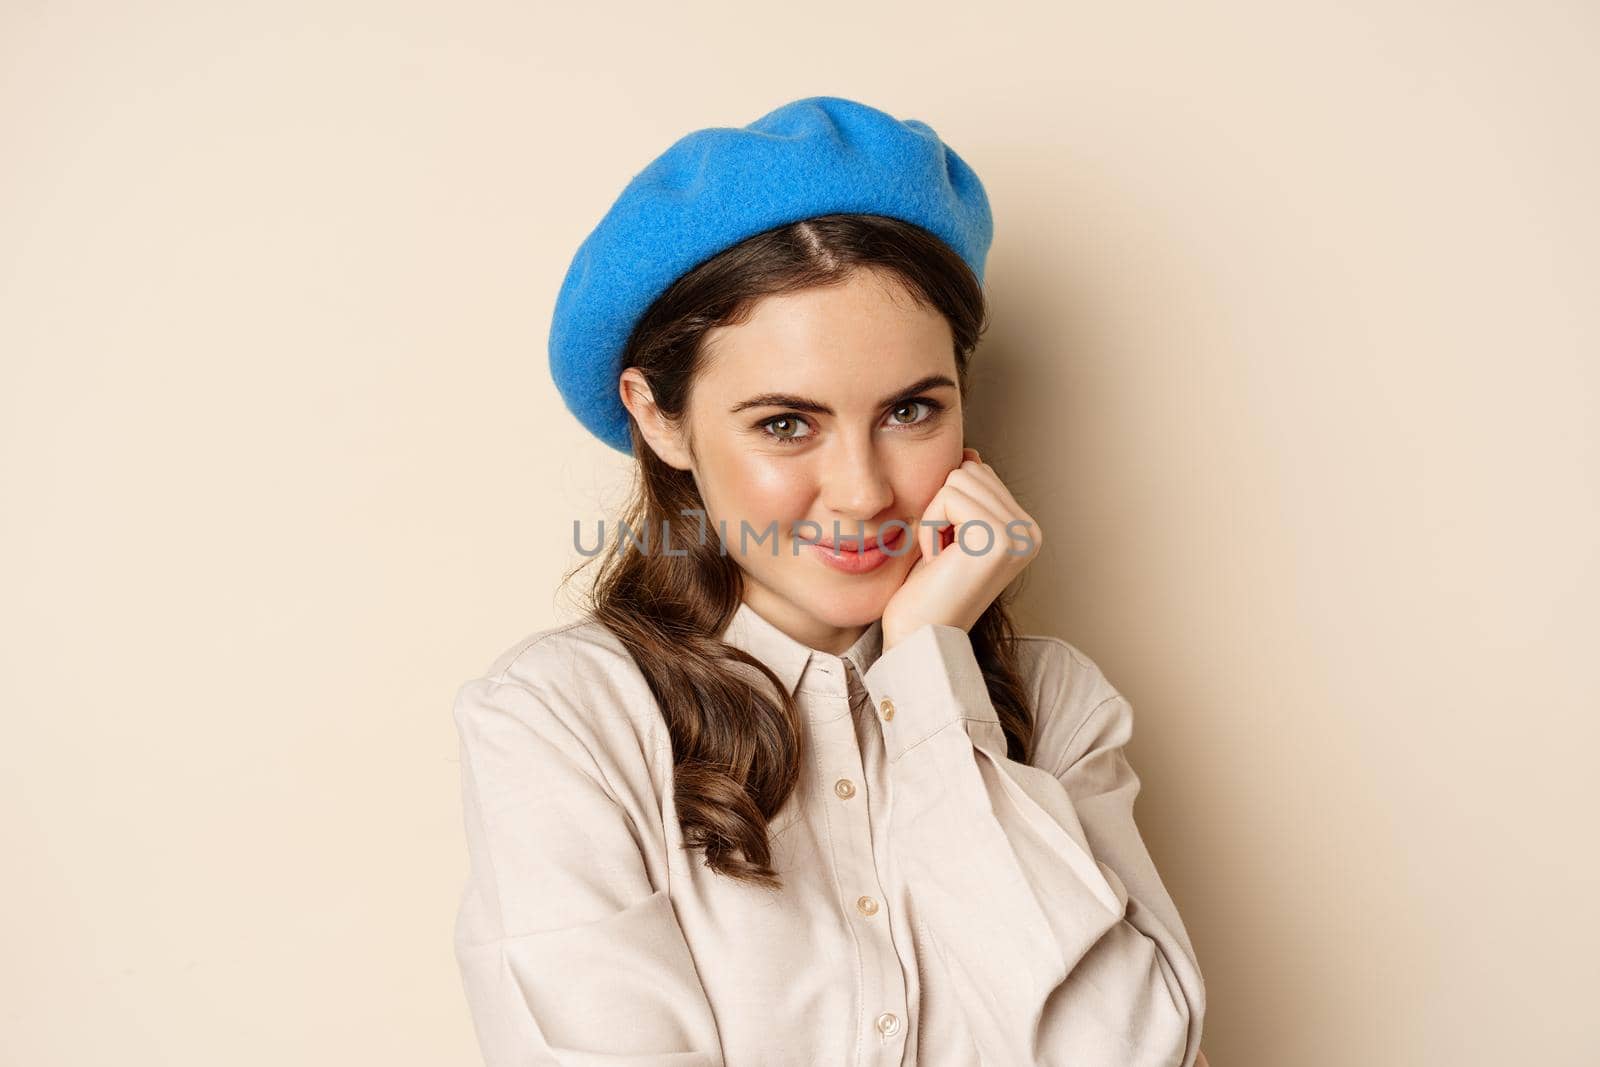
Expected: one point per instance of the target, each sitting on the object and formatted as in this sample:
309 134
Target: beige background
1293 355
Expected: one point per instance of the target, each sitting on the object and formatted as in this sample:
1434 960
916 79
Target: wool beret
715 187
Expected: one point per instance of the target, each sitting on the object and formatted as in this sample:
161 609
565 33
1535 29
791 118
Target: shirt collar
789 658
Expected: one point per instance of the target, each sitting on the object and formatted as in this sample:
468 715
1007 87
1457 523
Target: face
833 405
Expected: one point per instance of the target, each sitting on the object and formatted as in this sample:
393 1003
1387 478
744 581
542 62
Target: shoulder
577 662
1076 708
549 656
574 686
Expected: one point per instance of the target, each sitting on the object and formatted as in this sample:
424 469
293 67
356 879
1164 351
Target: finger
982 484
987 474
928 533
982 487
989 530
952 505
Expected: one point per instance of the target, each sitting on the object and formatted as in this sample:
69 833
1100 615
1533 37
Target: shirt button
844 788
887 707
888 1023
867 905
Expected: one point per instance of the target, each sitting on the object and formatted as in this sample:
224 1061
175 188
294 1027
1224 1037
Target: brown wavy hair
736 744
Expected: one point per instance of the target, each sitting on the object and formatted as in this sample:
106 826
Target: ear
664 438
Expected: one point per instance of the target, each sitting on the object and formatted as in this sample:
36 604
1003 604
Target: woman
791 791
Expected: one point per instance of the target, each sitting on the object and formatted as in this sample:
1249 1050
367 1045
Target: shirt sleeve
1032 884
568 954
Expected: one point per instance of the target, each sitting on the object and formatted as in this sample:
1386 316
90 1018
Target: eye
933 406
784 429
786 435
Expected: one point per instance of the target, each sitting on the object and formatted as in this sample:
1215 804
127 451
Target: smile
852 544
853 556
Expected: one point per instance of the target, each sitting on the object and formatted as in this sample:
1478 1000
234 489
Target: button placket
888 1024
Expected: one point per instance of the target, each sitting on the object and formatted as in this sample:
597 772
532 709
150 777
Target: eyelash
934 410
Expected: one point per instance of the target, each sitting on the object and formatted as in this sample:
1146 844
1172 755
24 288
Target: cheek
920 483
752 488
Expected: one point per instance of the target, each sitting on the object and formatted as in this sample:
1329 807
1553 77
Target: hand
948 584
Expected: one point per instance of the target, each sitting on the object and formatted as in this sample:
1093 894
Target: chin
846 609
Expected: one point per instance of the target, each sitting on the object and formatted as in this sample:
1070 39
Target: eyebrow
800 403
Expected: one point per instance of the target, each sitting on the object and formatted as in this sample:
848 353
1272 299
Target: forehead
855 340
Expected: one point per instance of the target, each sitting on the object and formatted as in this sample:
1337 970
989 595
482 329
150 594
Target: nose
856 482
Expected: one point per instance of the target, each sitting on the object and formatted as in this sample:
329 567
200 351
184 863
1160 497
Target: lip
851 561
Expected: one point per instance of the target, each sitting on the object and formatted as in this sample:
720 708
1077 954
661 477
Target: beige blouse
943 905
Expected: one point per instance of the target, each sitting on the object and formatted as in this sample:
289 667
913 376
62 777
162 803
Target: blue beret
715 187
